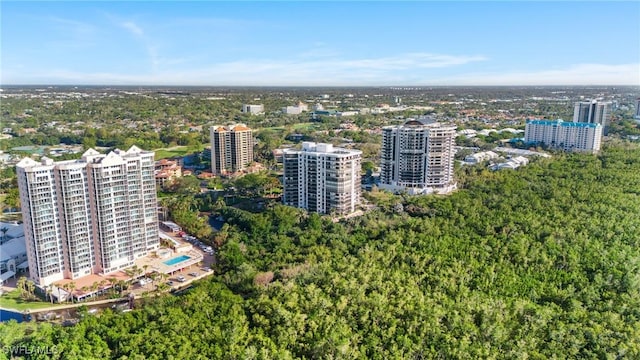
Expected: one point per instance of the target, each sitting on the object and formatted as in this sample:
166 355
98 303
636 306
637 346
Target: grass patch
165 153
304 126
295 127
12 300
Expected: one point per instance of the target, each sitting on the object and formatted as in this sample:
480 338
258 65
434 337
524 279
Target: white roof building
512 163
481 156
13 230
13 250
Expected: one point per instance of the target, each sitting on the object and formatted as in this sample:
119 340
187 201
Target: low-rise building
13 249
295 110
166 171
512 163
252 109
480 157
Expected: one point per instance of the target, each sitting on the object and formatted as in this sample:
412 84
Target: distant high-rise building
592 112
93 215
637 113
569 136
321 178
231 148
418 157
252 109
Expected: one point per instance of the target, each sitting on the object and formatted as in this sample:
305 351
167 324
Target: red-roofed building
166 171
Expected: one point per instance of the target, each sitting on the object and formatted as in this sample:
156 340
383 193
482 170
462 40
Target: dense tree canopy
537 263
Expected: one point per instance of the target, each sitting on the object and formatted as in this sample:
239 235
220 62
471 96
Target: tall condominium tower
417 157
231 148
93 215
637 112
568 136
592 112
321 178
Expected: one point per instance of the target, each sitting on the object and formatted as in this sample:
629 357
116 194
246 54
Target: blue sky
320 43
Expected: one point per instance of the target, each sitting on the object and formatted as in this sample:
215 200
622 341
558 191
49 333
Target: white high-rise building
93 215
593 112
231 148
322 178
637 112
418 157
568 136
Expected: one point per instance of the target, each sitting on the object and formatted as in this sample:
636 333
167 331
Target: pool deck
157 264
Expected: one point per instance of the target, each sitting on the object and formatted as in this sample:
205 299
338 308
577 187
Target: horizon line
318 86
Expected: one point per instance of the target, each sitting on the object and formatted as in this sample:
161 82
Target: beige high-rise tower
417 157
231 148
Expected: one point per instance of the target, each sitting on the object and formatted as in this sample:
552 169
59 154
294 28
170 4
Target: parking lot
179 276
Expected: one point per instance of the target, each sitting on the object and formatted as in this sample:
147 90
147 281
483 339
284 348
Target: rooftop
563 123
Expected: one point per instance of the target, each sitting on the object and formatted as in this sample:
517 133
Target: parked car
194 274
181 279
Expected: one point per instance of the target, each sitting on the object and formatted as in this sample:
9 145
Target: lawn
12 300
177 151
295 127
304 126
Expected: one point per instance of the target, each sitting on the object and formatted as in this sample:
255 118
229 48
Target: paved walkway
68 306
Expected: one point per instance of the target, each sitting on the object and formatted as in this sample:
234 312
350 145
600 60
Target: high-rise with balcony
93 215
568 136
231 148
417 157
592 112
322 178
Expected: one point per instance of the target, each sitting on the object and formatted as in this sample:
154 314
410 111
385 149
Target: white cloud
297 71
149 45
133 28
579 74
403 69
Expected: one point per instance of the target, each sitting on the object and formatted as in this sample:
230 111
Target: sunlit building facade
322 178
417 157
93 215
231 148
568 136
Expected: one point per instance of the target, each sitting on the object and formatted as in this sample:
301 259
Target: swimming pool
176 260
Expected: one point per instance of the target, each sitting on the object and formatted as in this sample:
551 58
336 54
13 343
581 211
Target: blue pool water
176 260
6 315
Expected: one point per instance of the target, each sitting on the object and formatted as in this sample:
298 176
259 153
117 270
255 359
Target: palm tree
22 286
84 290
4 230
122 286
129 272
48 289
112 283
94 288
31 287
72 288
